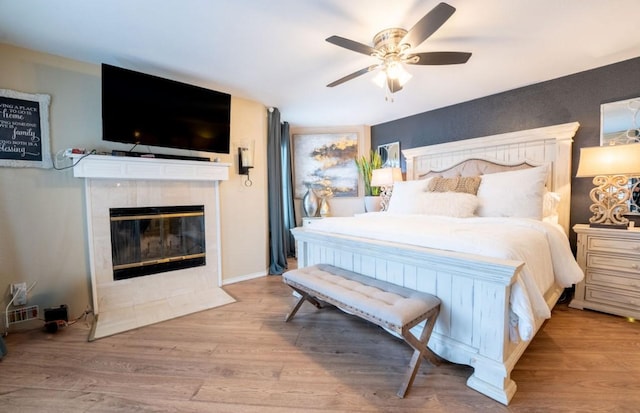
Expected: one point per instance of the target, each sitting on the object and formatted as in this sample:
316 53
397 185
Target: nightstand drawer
612 297
616 246
627 281
610 259
613 263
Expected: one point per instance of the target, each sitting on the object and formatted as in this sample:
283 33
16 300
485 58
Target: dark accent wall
570 98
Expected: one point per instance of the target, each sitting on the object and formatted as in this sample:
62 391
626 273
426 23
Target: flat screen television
142 109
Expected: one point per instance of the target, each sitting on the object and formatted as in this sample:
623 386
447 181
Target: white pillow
550 203
449 204
404 197
513 194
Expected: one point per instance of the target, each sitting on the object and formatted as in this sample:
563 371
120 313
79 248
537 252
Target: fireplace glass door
150 240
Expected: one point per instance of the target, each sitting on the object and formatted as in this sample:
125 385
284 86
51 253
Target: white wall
244 208
42 217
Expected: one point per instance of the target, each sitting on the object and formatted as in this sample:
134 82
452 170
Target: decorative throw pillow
449 204
404 196
466 184
513 194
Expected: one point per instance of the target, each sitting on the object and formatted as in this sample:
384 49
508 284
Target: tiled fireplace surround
116 182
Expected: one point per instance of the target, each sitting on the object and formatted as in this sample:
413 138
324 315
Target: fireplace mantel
123 167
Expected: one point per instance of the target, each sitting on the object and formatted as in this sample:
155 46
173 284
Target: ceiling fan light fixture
393 70
380 79
404 77
396 71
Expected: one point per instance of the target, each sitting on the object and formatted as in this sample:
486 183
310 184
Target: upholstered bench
387 305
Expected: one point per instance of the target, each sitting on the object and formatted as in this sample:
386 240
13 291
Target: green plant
365 167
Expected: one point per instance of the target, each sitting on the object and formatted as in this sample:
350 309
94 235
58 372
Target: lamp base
609 197
385 196
609 226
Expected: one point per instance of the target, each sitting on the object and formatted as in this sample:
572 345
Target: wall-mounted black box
56 314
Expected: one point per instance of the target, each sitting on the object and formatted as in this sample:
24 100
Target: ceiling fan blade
394 85
353 75
438 58
351 45
428 24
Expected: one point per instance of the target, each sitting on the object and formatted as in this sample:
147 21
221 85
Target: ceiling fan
393 47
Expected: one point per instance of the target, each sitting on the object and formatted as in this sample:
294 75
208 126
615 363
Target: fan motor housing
388 40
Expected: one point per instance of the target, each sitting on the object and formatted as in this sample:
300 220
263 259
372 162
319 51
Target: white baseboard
244 277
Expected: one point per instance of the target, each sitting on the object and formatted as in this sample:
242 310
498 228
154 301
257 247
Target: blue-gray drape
280 190
287 190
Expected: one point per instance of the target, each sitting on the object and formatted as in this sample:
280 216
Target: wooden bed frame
473 326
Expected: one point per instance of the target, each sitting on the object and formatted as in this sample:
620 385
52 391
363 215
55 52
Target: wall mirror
620 125
390 154
620 122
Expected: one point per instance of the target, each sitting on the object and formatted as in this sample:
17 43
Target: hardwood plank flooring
242 357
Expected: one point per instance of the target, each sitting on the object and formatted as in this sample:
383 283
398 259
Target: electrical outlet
69 152
19 293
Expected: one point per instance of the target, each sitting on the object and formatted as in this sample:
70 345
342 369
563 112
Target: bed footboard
473 326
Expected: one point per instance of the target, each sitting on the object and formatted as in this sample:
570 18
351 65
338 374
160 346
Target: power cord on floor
84 316
54 325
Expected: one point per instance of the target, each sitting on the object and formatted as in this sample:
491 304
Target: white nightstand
610 259
308 221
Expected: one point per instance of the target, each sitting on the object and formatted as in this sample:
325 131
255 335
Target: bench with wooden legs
392 307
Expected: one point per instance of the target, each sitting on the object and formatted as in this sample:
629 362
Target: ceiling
275 52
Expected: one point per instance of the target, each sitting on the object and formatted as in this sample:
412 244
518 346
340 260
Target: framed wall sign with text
24 130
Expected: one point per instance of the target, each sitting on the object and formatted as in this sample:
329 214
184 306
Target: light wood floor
243 358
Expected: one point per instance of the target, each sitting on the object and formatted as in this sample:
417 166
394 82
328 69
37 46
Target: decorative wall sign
326 163
24 129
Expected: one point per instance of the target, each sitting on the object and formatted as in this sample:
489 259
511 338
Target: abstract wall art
325 162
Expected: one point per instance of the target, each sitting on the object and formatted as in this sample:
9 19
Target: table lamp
384 178
611 167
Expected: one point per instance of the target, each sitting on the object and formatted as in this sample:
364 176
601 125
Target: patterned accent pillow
464 184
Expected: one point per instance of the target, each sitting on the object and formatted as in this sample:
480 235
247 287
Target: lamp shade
385 176
609 160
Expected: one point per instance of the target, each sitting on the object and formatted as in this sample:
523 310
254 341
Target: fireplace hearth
151 240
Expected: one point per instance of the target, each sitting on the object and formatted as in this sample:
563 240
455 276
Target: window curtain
287 190
280 190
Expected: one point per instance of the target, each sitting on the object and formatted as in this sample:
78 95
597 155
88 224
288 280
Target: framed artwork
620 122
620 125
24 129
390 154
326 163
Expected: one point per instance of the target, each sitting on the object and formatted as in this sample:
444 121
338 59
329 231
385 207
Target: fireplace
114 183
151 240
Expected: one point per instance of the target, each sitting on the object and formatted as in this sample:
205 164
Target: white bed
490 309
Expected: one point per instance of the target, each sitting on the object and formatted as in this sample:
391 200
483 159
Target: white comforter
543 247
